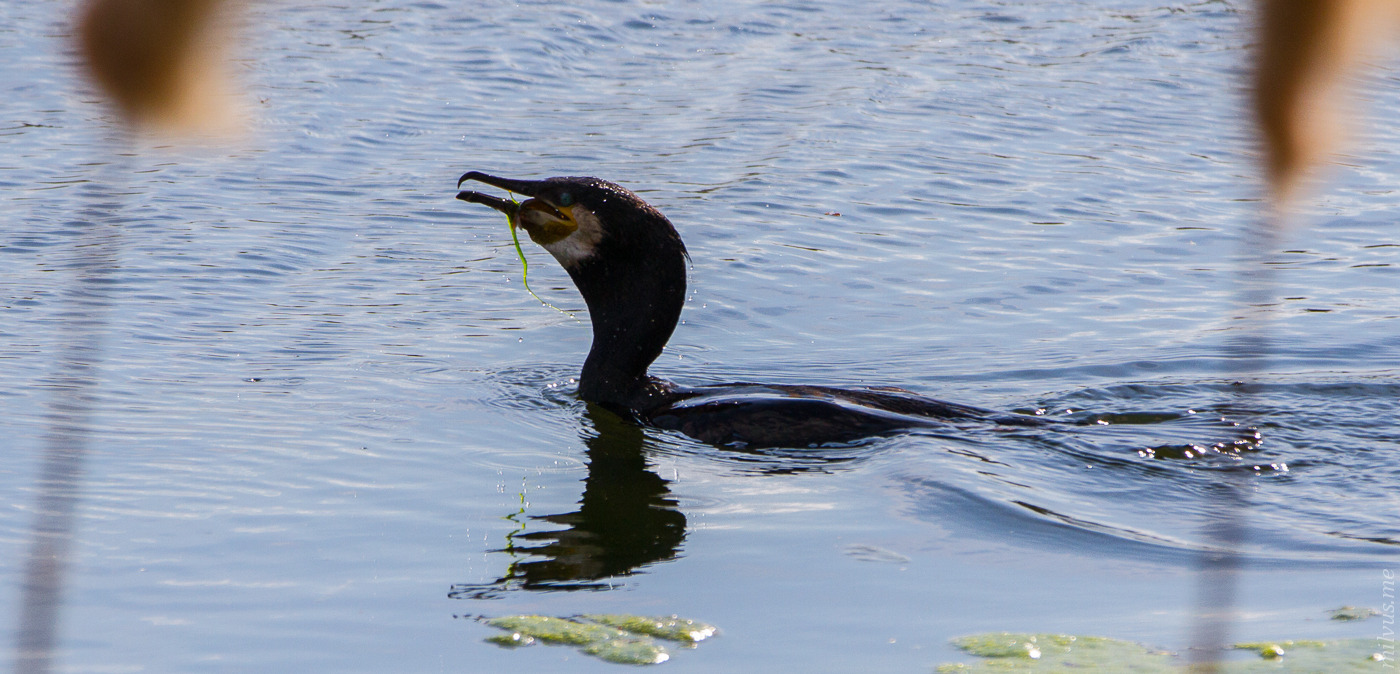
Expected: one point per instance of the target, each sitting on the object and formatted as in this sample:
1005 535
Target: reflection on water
80 332
626 521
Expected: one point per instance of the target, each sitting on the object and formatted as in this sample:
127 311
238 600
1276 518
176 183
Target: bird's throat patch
544 223
580 242
545 233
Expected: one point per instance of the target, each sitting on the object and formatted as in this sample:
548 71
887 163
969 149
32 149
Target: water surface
328 426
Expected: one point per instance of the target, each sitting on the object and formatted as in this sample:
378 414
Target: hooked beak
554 224
506 206
525 187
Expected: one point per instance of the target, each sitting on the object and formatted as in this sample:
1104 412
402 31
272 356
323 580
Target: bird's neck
633 314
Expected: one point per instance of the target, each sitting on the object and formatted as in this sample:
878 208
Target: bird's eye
566 199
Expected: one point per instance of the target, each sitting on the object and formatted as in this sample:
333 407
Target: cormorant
628 262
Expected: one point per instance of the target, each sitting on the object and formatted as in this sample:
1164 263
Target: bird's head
573 217
627 261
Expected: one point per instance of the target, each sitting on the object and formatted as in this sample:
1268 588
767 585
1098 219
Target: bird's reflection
626 520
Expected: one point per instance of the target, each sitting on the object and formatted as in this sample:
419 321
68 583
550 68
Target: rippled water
327 425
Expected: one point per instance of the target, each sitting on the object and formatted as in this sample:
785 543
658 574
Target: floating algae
670 628
1266 649
556 630
1011 652
1309 655
629 651
1349 613
624 639
512 640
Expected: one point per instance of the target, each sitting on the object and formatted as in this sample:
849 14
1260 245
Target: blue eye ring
566 199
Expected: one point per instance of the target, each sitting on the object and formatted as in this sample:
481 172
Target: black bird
629 264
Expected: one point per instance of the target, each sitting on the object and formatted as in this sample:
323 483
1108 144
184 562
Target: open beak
526 187
555 225
510 208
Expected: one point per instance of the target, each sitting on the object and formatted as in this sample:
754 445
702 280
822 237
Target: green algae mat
1011 652
646 640
624 639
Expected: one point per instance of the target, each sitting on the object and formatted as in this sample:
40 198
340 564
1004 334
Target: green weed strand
524 265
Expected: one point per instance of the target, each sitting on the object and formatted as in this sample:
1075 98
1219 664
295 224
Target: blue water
320 425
